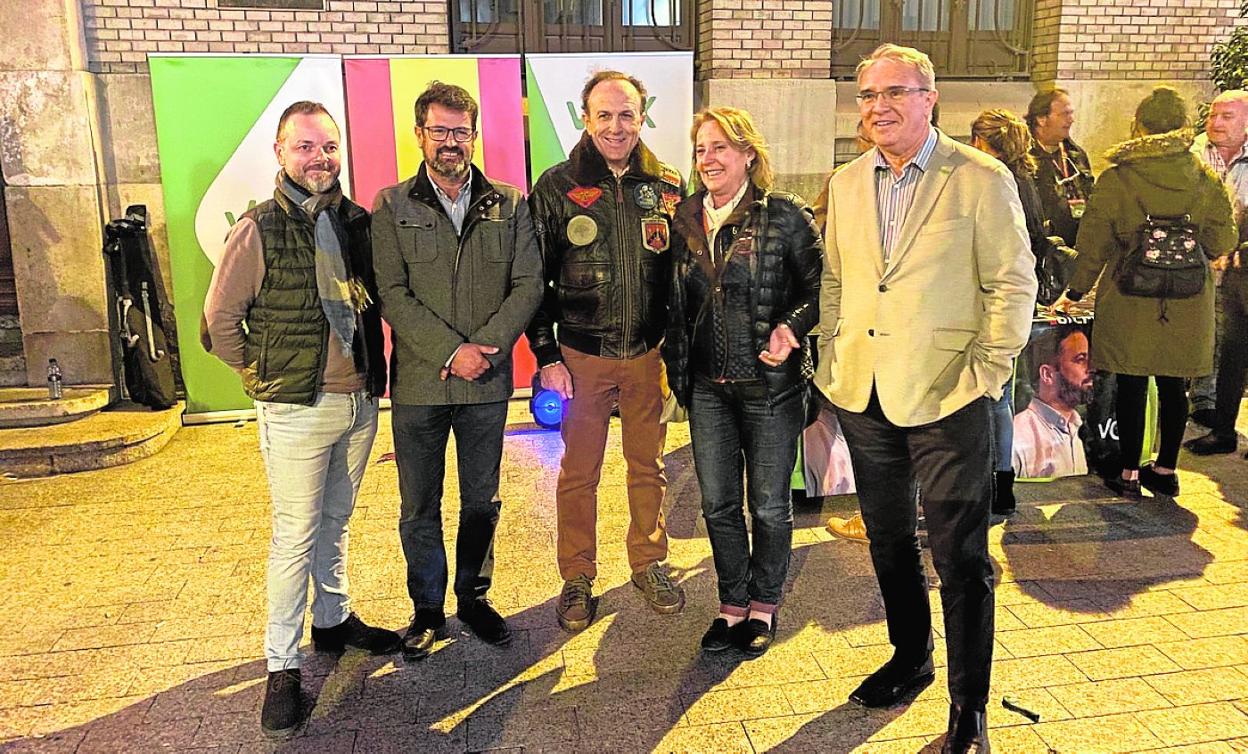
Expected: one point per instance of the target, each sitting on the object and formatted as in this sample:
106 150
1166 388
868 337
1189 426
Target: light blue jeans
315 456
1002 413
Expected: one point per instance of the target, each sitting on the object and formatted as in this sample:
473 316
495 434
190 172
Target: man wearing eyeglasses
927 296
1063 175
459 277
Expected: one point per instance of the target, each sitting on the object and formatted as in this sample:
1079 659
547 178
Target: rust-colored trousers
596 383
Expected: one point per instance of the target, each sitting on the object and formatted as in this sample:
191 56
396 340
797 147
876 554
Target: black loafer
756 637
968 732
894 681
354 632
484 621
1212 444
1126 488
1166 485
420 636
720 636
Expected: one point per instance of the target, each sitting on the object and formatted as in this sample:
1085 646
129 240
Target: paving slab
141 606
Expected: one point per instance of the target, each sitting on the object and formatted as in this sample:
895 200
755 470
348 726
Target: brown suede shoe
576 606
664 595
851 528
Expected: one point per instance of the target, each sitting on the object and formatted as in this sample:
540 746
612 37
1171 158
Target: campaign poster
554 84
216 122
381 97
1064 419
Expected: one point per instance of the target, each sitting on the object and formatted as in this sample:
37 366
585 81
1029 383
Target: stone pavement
136 608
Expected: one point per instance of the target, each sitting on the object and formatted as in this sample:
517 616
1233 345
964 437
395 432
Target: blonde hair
1009 137
739 127
916 59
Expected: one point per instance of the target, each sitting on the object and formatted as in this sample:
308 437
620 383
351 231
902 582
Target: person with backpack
1155 218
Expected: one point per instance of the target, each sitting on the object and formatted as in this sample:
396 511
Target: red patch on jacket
585 196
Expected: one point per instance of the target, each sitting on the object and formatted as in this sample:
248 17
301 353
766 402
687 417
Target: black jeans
734 429
951 460
420 435
1129 408
1233 359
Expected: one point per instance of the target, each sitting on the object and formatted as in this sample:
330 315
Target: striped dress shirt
894 195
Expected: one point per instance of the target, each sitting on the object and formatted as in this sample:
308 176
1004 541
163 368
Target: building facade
78 144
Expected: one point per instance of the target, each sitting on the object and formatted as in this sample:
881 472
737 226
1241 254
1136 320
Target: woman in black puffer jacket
746 266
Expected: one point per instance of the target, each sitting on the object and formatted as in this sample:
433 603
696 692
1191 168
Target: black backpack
1166 261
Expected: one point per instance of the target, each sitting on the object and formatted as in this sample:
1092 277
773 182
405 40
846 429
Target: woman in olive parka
1136 337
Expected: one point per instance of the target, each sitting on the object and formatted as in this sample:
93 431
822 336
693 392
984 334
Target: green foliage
1229 61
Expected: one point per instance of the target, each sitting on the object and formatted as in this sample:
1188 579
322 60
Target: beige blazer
938 327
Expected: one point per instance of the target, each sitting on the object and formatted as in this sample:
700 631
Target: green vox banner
216 119
554 97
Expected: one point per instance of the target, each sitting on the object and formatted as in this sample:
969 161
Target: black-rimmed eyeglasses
440 133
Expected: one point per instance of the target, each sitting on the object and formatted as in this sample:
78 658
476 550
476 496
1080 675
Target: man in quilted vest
291 309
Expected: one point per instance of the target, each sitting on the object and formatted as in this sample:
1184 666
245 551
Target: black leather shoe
1159 484
283 704
420 636
968 732
895 680
354 632
1126 488
484 621
1003 502
1212 444
720 635
1205 417
756 637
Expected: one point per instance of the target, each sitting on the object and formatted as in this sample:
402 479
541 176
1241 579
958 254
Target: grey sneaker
656 584
576 605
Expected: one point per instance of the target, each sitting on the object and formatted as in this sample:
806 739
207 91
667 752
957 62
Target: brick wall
764 39
1131 39
120 33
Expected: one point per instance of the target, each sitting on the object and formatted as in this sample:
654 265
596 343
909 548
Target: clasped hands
469 362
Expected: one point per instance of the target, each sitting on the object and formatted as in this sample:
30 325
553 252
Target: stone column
49 152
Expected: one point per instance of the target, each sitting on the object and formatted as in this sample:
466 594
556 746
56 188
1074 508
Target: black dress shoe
968 732
720 635
354 632
484 621
756 637
1205 417
283 704
1212 444
1159 484
1127 488
896 679
420 636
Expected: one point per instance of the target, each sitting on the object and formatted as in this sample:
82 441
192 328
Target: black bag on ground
146 360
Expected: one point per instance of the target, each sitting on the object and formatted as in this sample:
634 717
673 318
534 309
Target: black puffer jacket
605 250
776 232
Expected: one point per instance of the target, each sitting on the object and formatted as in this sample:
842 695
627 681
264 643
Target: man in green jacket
460 275
290 308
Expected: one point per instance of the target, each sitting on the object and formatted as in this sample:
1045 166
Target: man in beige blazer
928 294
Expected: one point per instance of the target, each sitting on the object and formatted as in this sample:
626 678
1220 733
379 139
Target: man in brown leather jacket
603 220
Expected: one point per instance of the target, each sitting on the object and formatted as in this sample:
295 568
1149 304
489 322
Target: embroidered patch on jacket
668 201
585 196
655 234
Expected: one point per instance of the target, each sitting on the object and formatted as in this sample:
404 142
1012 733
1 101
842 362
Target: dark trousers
735 429
1129 408
951 460
420 435
1233 358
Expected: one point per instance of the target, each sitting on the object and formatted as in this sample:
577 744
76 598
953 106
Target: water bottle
54 380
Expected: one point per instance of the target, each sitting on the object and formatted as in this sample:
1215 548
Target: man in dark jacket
459 273
603 219
1063 175
290 308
